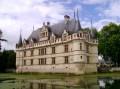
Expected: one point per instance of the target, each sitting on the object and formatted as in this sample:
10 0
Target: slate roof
19 42
0 31
34 35
73 26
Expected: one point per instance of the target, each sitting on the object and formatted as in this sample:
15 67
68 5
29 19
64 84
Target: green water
67 83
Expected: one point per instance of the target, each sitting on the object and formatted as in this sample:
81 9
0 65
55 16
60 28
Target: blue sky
24 14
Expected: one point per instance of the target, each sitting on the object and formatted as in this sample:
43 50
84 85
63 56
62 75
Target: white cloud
113 9
97 24
93 1
17 14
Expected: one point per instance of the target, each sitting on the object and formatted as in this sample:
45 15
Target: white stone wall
77 58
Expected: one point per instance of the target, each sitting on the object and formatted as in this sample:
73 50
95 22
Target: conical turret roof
20 41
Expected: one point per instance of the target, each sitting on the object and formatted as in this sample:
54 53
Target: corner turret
20 41
92 34
78 25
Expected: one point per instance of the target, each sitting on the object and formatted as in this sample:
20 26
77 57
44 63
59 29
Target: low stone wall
10 70
115 69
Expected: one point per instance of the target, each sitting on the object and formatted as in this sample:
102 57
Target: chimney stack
48 24
66 19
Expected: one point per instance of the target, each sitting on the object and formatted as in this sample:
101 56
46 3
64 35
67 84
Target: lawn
55 76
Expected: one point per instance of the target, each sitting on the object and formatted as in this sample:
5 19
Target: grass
55 76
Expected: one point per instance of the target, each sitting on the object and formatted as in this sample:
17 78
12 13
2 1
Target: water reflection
67 83
110 83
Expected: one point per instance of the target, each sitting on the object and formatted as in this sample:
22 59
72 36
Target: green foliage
109 43
94 30
7 60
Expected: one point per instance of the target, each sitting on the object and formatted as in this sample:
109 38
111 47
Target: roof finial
74 14
43 23
91 31
20 31
91 24
20 39
77 14
33 27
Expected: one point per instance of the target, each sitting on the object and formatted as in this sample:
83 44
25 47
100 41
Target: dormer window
80 34
64 36
31 42
43 35
24 43
52 38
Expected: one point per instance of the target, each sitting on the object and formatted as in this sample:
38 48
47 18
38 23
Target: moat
65 83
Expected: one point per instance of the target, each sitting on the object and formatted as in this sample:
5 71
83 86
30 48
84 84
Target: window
41 86
53 60
24 53
24 62
39 61
39 51
45 51
66 60
64 37
42 61
87 59
52 39
66 48
53 50
80 46
31 85
46 33
80 34
87 48
43 35
81 57
31 61
31 52
53 87
42 51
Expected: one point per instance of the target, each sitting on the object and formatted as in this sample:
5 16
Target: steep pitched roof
20 41
58 29
0 31
92 34
35 35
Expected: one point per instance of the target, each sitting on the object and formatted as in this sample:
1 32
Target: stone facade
74 52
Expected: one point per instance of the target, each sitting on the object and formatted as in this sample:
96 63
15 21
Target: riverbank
54 76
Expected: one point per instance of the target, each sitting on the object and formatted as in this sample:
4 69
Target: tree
7 60
109 43
3 61
11 59
94 30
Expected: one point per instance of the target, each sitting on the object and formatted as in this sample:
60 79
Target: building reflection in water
68 83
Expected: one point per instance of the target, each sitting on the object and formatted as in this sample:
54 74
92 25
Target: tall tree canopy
7 60
109 43
96 33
